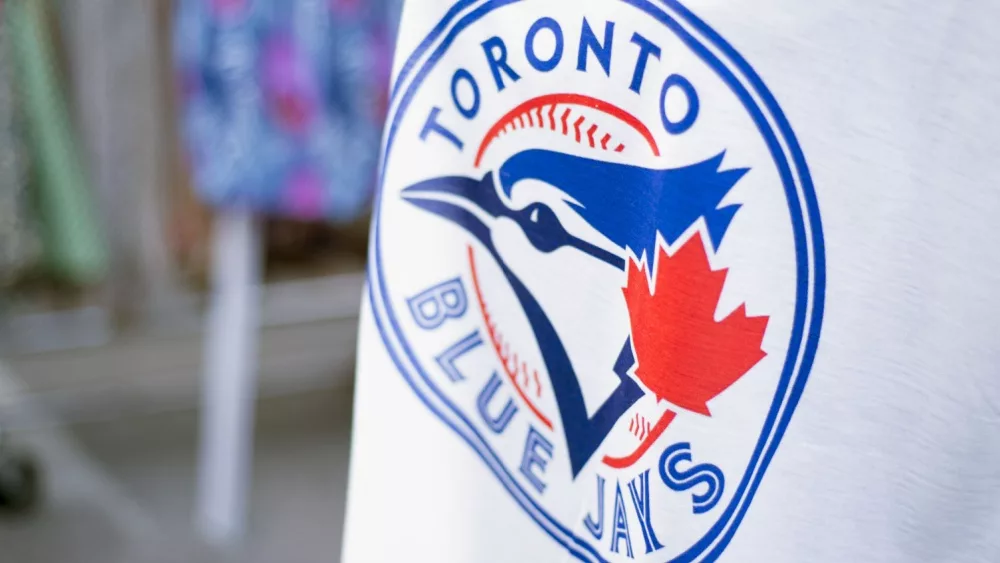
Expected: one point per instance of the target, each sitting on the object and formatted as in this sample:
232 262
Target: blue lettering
533 460
683 480
496 55
588 40
498 423
685 86
432 307
432 126
597 528
448 358
464 75
639 490
646 49
621 525
529 44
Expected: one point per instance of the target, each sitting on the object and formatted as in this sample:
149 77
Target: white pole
229 390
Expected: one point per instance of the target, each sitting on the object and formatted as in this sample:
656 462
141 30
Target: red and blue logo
598 259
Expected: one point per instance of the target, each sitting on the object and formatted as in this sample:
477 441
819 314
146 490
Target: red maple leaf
685 356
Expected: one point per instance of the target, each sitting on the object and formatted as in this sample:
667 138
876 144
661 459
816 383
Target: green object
19 245
74 248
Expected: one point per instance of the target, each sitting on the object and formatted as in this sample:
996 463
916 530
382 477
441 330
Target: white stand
229 379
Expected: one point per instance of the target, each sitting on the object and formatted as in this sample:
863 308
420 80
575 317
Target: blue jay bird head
628 205
477 206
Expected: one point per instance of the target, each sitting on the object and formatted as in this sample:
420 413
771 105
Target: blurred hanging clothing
18 240
282 101
73 246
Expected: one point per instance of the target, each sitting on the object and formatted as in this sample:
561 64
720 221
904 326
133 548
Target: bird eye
534 215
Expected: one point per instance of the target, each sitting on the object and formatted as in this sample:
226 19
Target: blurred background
157 156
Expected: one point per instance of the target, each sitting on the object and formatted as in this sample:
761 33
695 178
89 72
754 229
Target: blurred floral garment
282 101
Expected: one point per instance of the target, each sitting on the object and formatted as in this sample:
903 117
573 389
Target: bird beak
440 194
469 203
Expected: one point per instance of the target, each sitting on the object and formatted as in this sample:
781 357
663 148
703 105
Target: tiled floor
122 491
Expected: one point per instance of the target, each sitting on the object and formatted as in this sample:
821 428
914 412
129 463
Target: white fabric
893 453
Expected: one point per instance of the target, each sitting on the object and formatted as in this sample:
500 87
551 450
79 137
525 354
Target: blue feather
631 204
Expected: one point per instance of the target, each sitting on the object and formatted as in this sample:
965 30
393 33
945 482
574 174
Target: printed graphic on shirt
597 258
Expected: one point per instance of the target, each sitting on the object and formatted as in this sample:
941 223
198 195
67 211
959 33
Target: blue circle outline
807 324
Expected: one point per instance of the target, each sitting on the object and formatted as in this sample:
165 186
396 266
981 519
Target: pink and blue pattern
283 101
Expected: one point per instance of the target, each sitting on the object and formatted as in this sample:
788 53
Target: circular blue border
806 326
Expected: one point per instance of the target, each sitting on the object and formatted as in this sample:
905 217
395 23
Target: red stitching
535 106
502 349
652 435
640 426
604 141
576 126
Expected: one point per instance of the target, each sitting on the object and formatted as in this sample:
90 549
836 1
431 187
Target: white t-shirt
653 281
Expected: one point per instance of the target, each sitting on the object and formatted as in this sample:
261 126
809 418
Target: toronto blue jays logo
598 260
